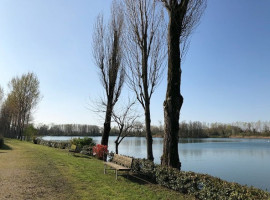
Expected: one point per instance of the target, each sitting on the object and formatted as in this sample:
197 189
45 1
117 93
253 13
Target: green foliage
30 132
1 141
80 142
201 185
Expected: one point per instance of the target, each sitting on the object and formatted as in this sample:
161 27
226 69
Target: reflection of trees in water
207 140
191 152
251 153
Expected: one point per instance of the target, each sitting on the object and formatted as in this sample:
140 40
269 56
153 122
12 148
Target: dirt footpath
26 175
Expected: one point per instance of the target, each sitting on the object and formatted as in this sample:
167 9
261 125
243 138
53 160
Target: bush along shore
83 145
202 186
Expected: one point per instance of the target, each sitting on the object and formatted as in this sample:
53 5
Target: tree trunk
174 99
107 124
116 147
149 140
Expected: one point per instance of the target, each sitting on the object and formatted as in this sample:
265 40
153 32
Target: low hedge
84 145
203 186
55 144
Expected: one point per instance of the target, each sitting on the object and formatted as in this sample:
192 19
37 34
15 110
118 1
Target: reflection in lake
246 161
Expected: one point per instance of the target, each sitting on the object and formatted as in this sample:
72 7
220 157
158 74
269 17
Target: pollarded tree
145 54
108 55
183 17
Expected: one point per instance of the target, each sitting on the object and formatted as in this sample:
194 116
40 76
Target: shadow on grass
5 147
81 156
140 179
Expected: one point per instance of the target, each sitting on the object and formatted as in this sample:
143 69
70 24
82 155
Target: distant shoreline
161 136
250 137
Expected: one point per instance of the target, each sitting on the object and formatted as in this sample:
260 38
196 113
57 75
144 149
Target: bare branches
145 47
125 119
145 54
108 55
108 51
188 14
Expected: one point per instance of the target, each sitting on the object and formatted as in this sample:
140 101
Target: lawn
47 173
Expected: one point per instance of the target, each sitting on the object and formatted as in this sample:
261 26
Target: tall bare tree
22 99
145 49
108 55
183 17
1 95
125 119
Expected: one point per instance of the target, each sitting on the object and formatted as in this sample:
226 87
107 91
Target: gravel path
25 175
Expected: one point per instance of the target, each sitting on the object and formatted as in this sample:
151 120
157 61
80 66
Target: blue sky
225 73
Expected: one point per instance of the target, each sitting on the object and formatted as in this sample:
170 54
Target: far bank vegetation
189 129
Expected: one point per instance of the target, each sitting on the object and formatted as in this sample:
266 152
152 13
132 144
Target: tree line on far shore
189 129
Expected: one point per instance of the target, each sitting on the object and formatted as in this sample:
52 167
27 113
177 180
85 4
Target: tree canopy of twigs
145 48
125 118
108 55
183 15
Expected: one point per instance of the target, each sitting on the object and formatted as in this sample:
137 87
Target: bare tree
145 49
125 120
23 97
1 95
108 55
183 17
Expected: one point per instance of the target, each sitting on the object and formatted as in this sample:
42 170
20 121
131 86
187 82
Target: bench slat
119 163
116 166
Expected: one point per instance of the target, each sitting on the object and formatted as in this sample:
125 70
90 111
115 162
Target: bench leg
105 169
116 173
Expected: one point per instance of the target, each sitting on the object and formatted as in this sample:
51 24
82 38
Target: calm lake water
245 161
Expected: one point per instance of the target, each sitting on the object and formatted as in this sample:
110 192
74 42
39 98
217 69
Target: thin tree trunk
107 124
116 147
174 99
149 140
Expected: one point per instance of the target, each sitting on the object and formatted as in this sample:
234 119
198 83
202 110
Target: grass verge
80 177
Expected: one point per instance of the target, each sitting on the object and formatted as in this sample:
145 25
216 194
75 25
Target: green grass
83 176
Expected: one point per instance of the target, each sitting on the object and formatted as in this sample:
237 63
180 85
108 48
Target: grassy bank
54 174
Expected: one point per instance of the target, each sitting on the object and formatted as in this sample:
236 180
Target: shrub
202 186
100 151
35 140
145 167
1 141
80 142
30 132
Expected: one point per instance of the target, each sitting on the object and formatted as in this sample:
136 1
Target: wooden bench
119 163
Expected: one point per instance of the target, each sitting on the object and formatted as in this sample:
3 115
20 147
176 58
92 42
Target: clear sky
225 73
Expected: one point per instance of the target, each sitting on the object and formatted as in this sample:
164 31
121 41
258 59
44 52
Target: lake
245 161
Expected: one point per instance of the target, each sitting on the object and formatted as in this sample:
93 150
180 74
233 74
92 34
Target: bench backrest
122 160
